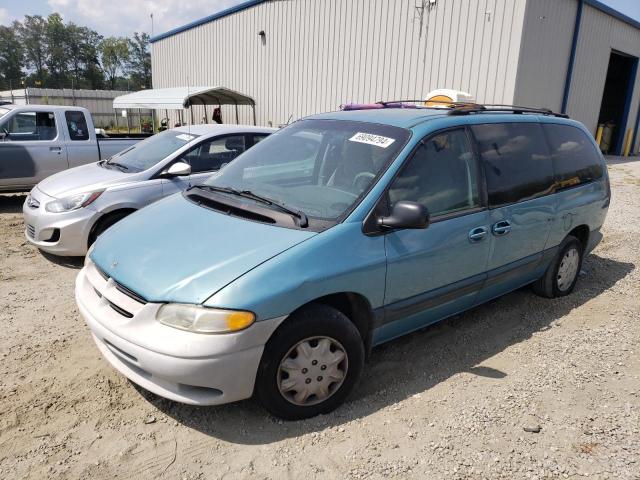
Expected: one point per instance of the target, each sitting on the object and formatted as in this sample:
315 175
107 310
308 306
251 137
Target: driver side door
436 272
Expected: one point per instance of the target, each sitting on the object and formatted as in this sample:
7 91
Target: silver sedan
66 212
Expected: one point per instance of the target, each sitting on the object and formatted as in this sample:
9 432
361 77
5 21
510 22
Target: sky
123 17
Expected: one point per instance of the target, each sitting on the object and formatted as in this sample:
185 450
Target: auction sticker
185 137
371 139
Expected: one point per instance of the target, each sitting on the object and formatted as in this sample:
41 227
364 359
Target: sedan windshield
320 168
150 151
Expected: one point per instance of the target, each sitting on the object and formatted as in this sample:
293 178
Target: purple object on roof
376 106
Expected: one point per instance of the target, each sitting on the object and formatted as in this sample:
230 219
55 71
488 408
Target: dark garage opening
614 109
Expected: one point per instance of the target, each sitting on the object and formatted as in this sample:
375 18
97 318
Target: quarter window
442 175
77 125
575 159
516 160
31 126
210 155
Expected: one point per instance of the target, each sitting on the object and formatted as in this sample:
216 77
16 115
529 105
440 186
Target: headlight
202 319
73 202
87 260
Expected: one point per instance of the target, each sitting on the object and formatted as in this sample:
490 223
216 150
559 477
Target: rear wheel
311 364
562 274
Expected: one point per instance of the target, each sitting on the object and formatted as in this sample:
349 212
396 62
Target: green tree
57 56
32 33
114 56
83 57
11 58
139 65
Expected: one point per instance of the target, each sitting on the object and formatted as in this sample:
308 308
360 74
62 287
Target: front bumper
64 234
187 367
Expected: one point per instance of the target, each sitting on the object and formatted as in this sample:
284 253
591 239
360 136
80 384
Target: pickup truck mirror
178 169
4 134
406 215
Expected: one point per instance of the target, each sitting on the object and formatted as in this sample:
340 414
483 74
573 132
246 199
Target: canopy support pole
237 117
253 107
204 107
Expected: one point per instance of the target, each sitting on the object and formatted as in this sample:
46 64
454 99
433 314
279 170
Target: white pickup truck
39 140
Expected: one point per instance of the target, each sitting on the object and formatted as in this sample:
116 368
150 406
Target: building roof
252 3
177 98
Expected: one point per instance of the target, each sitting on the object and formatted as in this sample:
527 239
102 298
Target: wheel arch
104 217
355 306
581 232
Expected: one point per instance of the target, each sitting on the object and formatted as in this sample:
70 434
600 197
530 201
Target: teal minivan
342 231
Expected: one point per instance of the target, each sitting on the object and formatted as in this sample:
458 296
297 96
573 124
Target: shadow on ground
12 203
412 364
68 262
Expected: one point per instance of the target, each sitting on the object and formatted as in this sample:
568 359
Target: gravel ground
455 400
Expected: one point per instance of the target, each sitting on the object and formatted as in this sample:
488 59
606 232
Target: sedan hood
84 178
176 251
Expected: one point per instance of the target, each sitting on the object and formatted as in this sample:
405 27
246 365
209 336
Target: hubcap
312 371
568 269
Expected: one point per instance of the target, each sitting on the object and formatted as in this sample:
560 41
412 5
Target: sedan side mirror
406 215
178 169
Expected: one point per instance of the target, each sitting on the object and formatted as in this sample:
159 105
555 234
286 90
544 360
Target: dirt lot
451 401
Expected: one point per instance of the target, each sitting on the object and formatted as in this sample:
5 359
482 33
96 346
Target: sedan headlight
72 202
202 319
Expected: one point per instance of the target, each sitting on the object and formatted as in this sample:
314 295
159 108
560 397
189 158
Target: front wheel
562 274
311 364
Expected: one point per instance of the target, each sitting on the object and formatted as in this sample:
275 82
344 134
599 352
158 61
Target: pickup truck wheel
311 364
105 222
562 274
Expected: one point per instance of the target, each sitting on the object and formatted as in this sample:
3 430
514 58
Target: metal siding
545 51
320 54
599 34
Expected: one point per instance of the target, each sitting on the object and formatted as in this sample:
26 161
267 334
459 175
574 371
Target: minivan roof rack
466 109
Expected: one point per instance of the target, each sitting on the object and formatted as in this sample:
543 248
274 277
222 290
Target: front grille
121 288
31 231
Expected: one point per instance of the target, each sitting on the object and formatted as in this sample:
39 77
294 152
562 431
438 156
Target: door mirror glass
406 214
178 169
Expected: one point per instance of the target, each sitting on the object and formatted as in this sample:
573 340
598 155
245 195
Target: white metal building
298 57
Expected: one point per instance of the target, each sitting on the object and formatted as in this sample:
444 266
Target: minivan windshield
150 151
318 167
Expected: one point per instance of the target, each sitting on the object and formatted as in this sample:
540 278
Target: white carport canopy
178 98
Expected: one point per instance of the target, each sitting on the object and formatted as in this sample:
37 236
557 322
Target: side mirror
406 215
4 134
178 169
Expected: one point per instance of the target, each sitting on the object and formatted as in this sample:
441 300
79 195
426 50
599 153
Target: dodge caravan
340 232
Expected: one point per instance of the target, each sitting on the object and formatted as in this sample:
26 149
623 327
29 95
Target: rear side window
575 159
77 125
516 161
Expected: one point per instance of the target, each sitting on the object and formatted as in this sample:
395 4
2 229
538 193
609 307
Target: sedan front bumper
65 234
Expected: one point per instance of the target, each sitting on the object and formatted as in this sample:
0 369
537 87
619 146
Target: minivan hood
82 179
177 251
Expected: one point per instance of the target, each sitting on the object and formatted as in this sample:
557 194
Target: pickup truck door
83 146
32 149
205 159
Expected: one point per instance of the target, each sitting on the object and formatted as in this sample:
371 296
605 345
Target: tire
288 359
562 274
104 223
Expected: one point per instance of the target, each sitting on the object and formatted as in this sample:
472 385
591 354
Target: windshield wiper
303 221
122 167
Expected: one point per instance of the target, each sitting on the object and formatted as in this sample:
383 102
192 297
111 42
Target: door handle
501 228
55 149
477 234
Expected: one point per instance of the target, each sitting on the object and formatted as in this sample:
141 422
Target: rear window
77 125
575 158
516 161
